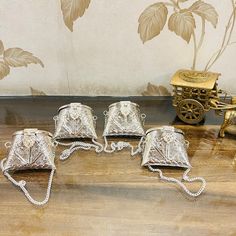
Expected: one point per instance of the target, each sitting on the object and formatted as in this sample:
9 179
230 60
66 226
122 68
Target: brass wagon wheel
190 111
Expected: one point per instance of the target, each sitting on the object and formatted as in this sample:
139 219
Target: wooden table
110 194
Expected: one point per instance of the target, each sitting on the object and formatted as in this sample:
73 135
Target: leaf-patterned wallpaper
183 23
93 47
15 57
72 10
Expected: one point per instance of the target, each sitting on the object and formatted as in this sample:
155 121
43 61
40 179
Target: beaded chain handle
121 145
22 184
170 138
74 146
185 178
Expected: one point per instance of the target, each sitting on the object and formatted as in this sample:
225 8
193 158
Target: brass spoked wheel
190 111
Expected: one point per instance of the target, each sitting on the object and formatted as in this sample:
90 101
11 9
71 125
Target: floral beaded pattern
124 118
165 147
75 121
31 149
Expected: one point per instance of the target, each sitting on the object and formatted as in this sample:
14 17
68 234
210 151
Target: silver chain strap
22 185
186 178
74 146
121 145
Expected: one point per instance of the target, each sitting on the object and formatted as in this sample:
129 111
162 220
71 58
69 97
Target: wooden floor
110 194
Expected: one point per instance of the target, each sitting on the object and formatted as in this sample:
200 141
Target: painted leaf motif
206 11
1 47
4 70
17 57
35 92
183 24
152 21
72 10
155 90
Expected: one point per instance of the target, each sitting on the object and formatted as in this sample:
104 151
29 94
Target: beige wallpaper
104 47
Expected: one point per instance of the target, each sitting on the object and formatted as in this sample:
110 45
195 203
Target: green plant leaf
206 11
152 20
183 24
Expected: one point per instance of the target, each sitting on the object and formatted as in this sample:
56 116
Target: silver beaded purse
123 119
76 121
30 149
166 146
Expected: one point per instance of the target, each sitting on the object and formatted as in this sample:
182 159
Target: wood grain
111 194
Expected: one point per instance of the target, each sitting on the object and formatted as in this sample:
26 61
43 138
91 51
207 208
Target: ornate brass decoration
229 119
194 76
195 92
190 111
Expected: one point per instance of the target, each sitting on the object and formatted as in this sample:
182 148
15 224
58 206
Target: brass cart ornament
229 121
195 93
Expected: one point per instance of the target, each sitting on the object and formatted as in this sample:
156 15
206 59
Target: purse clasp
29 137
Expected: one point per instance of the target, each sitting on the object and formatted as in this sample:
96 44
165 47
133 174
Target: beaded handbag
166 146
30 149
76 121
123 119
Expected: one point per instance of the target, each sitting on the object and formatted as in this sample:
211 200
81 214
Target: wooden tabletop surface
111 194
